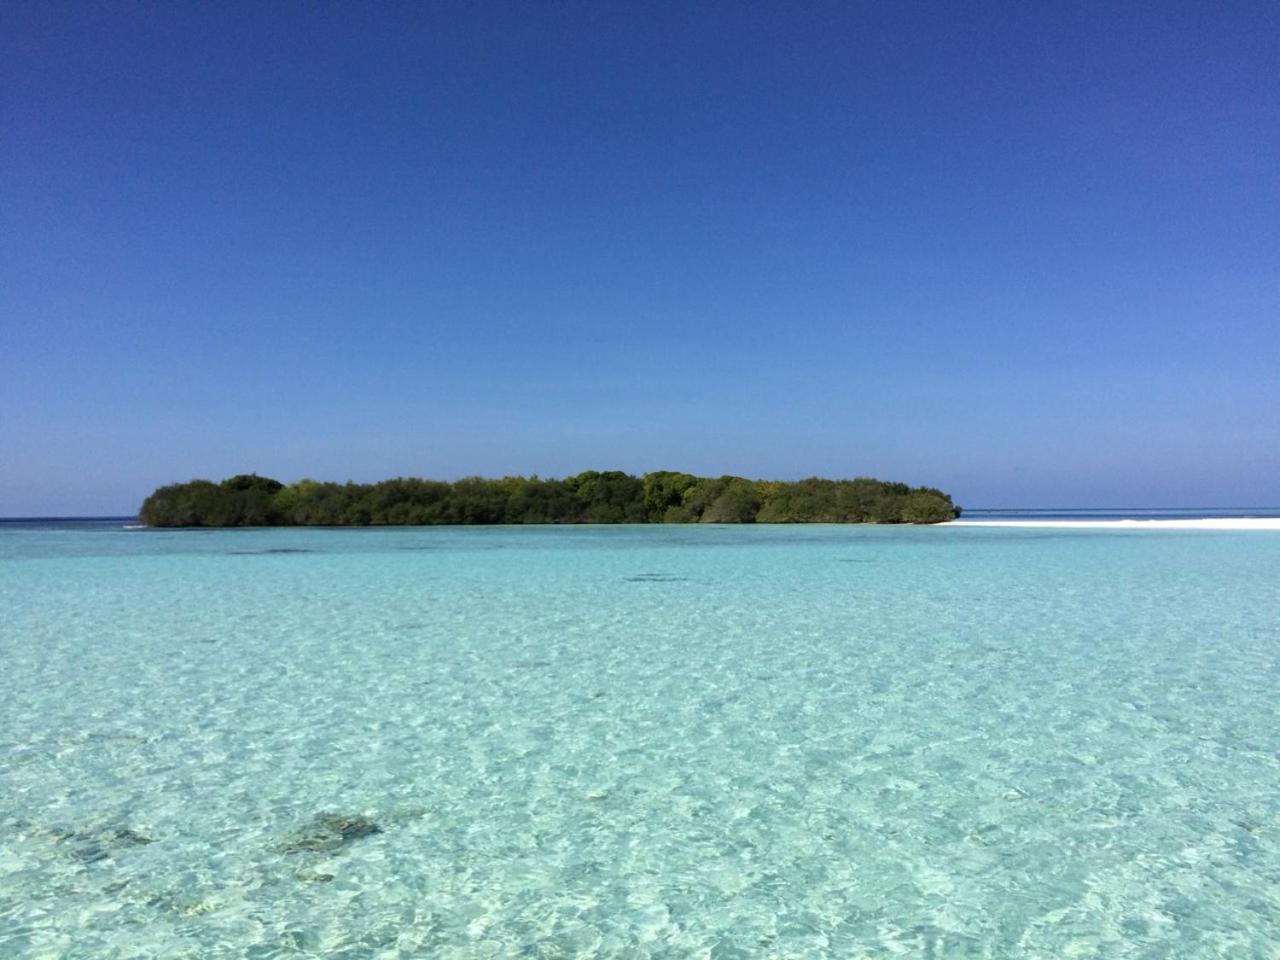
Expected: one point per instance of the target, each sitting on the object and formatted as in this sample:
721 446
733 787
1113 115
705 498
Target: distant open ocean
640 741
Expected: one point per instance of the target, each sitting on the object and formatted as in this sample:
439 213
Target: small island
609 496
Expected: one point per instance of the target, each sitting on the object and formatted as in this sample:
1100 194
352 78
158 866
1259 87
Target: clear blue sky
1028 253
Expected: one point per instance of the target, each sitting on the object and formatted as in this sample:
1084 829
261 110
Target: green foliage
593 496
730 500
245 482
664 492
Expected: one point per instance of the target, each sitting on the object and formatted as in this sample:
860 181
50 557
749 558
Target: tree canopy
594 496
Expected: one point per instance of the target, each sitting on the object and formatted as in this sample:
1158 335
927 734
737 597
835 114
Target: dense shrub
594 496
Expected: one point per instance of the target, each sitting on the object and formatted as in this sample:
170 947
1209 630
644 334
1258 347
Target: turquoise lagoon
638 742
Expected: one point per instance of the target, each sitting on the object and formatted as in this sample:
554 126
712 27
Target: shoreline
1205 523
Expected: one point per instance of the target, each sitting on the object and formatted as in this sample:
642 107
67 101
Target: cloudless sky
1028 253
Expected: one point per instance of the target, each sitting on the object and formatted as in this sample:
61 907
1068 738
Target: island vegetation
611 496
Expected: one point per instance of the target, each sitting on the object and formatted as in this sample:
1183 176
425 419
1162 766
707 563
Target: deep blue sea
631 742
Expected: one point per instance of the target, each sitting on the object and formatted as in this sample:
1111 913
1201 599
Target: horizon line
134 516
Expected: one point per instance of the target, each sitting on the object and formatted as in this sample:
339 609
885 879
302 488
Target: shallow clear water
639 742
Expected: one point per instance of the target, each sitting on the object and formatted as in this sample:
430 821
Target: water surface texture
636 742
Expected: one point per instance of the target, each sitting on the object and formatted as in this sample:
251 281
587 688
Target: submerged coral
332 831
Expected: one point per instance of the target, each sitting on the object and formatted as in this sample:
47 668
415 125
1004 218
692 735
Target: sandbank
1205 523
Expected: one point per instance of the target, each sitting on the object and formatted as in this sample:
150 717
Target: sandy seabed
652 741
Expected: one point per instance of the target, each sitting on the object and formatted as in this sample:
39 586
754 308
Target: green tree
610 496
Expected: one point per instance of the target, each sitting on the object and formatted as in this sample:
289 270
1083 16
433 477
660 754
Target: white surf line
1209 523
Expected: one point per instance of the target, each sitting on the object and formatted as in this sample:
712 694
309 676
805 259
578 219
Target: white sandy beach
1218 523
